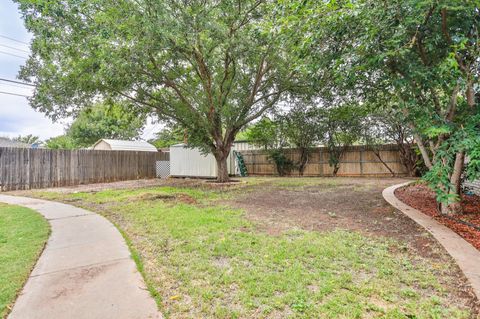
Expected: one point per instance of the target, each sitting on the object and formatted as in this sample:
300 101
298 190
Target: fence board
24 168
356 161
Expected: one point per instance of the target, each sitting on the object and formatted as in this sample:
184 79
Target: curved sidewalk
464 254
85 271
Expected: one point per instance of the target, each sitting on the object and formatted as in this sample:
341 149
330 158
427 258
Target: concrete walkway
464 254
85 271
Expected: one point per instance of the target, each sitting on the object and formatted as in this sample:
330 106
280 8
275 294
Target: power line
18 56
9 93
12 39
18 82
16 85
13 48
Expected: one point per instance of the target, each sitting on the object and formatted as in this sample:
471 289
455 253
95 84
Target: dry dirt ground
344 203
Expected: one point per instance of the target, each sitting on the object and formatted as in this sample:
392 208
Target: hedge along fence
355 161
25 168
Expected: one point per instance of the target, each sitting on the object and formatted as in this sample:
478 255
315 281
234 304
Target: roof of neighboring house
6 142
121 145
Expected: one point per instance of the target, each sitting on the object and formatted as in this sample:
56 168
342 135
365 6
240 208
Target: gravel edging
464 254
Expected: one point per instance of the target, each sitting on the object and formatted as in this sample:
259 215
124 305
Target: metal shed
190 162
121 145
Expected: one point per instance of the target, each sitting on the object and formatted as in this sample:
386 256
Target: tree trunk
222 171
377 154
408 158
221 155
303 161
423 151
455 188
336 167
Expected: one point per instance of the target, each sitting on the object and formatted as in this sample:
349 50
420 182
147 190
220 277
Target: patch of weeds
299 305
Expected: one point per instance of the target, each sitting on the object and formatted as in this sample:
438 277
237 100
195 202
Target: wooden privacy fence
356 161
25 168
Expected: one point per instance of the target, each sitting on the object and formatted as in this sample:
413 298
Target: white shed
190 162
121 145
244 146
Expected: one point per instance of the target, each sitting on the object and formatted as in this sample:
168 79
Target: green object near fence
241 163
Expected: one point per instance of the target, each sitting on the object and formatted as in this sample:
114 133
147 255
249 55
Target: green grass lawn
202 259
23 234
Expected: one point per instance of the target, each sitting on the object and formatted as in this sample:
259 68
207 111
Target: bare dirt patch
350 203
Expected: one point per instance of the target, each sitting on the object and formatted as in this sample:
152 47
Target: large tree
210 66
422 55
426 56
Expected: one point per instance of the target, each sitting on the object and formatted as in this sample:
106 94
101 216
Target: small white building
190 162
121 145
244 146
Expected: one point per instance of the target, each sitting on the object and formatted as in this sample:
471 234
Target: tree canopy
28 139
102 120
61 142
210 66
168 136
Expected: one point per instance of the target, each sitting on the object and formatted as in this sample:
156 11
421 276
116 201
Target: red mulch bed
421 197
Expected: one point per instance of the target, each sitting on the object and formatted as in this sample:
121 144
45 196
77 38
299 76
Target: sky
17 117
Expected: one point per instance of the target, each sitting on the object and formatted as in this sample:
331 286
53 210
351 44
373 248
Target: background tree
269 134
301 128
28 139
168 136
63 142
105 120
387 126
341 127
265 133
210 66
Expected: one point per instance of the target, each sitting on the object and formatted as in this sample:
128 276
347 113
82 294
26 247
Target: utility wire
12 39
18 56
13 48
9 93
18 82
16 85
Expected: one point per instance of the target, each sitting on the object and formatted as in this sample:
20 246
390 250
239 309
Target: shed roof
121 145
179 145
